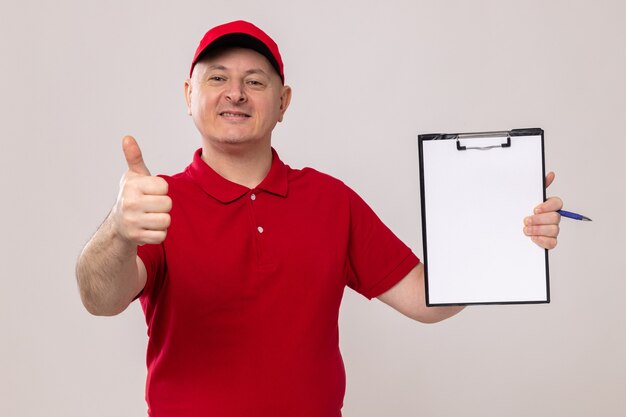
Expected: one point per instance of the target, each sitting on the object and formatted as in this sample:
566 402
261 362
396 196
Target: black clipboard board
476 189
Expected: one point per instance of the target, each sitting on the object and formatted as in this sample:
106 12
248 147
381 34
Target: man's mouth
234 114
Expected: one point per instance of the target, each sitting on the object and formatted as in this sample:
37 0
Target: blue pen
574 216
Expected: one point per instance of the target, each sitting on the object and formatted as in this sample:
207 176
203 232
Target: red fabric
243 322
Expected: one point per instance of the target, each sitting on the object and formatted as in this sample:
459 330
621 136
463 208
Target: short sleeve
153 258
378 259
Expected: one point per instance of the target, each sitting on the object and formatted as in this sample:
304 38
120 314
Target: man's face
236 98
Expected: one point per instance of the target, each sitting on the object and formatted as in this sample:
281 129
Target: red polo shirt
243 296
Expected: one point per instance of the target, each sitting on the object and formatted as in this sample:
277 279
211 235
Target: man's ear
285 99
188 95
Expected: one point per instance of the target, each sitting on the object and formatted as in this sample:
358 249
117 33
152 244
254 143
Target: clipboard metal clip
460 147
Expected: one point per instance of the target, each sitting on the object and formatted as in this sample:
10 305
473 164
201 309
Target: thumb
550 178
133 156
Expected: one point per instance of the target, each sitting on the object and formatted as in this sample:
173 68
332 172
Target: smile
230 114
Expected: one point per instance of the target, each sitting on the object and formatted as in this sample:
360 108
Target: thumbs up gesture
141 213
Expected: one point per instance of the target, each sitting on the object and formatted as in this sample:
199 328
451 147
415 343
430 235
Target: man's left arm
408 296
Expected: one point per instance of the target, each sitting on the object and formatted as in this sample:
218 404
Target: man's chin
240 142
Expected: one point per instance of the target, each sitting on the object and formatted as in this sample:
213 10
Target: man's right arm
108 271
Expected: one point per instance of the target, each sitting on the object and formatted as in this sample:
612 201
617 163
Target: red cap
243 34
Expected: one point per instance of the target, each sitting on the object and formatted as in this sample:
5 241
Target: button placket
253 197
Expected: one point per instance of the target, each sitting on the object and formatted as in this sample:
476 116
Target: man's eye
216 78
255 83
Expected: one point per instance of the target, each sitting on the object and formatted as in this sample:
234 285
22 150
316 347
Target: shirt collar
227 191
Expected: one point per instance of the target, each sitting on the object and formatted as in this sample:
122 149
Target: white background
77 75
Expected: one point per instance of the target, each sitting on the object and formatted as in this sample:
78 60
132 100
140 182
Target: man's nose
235 92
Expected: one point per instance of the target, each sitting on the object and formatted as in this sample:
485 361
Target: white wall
75 76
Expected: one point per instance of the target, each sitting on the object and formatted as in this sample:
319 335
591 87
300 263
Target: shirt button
252 196
260 229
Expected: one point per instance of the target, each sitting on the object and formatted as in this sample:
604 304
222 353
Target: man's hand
543 225
108 271
141 213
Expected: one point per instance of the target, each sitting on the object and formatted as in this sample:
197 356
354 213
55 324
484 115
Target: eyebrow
216 67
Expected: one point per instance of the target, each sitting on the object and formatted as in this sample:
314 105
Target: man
239 261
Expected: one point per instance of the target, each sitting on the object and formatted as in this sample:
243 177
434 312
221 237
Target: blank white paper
474 205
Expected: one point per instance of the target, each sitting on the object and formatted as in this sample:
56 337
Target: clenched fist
141 213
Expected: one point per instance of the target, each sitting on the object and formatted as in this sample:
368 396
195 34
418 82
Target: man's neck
247 167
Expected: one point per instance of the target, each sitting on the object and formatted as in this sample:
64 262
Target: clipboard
476 189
